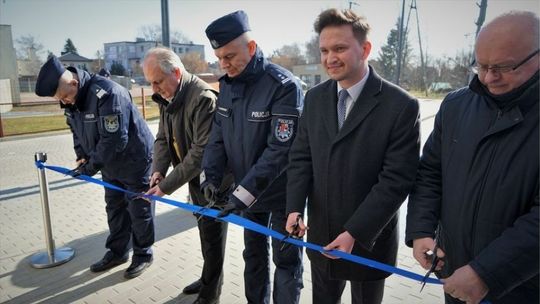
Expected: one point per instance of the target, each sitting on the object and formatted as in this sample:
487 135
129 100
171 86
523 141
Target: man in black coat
478 176
354 159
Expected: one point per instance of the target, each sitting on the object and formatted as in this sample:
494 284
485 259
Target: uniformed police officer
110 136
258 108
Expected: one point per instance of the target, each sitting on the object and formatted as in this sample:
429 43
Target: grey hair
167 59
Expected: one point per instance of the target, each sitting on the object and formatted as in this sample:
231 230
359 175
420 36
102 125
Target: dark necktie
342 107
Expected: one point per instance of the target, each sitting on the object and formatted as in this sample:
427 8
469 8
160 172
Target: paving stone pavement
79 221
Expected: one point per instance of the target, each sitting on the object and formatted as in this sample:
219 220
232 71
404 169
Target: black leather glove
210 193
84 169
231 207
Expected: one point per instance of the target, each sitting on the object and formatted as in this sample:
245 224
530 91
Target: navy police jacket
254 126
108 130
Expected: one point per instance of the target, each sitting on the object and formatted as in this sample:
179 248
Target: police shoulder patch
284 129
99 91
280 76
111 123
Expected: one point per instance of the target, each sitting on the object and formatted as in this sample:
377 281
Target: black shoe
107 262
193 288
200 300
137 268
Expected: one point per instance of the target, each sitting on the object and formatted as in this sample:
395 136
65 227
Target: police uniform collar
84 84
253 71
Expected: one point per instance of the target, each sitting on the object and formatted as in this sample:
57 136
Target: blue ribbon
240 221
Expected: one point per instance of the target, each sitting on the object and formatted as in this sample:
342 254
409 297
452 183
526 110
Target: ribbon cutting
255 227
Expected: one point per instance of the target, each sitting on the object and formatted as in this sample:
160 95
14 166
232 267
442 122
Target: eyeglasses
497 69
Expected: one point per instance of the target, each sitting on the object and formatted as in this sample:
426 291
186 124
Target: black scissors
434 262
293 234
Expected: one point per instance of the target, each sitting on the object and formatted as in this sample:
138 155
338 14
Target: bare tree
152 32
29 51
194 63
288 56
28 46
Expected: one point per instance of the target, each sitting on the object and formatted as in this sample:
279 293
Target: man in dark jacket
110 136
186 107
478 176
255 123
354 158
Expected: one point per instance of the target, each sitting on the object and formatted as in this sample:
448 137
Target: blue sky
447 26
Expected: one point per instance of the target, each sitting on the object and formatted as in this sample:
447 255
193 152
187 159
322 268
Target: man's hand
83 168
344 242
465 284
155 179
291 227
231 207
210 193
80 161
155 191
421 247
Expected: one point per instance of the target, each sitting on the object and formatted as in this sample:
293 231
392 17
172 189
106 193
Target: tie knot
343 94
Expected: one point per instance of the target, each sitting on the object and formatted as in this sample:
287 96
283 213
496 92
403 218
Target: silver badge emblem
111 123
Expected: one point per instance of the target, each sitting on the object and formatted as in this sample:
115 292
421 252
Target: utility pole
351 4
481 17
413 6
165 23
400 42
479 22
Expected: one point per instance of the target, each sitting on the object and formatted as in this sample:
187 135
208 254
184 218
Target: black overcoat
478 181
357 178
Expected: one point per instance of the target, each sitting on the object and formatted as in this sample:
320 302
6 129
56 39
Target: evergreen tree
388 54
313 53
117 69
69 47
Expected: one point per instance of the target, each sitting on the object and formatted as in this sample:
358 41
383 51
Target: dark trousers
130 219
288 272
213 236
328 291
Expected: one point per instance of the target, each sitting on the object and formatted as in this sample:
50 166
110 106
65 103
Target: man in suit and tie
354 158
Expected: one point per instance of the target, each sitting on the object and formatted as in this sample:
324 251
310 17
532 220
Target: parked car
440 87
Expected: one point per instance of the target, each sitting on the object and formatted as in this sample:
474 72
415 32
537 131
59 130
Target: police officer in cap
105 73
110 136
255 123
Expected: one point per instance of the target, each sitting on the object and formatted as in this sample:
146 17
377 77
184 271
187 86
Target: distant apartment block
130 54
311 74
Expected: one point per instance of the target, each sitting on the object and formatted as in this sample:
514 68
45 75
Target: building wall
311 74
84 65
131 53
8 63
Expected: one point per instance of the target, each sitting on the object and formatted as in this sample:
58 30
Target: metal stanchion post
53 257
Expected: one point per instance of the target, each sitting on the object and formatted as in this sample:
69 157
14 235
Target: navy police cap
49 75
227 28
104 72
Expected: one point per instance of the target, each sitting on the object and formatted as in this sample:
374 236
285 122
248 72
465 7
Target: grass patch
56 120
34 124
